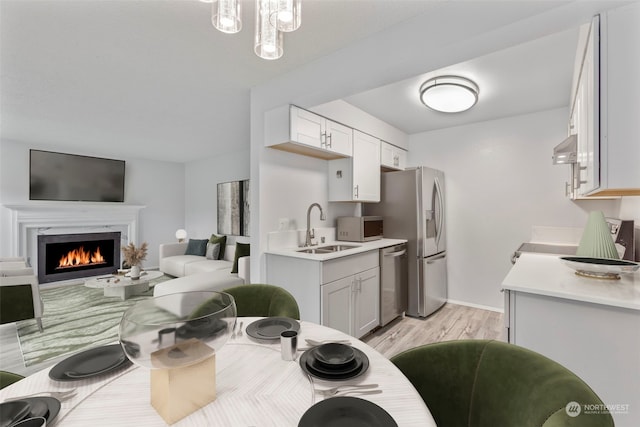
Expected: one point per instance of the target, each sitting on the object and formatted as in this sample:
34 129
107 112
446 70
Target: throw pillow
196 247
223 244
213 250
242 249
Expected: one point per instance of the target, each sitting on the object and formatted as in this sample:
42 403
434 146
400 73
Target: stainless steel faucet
310 231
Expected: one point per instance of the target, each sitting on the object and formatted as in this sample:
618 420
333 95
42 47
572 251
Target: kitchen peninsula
340 289
591 326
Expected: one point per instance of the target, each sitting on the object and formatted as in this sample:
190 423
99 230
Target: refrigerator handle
432 260
440 211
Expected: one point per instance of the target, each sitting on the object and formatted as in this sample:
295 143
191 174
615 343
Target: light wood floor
451 322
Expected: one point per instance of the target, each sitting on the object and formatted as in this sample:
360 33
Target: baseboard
469 304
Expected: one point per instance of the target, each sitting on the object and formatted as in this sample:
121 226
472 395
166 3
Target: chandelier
273 18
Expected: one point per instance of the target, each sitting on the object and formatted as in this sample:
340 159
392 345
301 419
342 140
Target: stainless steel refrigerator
413 207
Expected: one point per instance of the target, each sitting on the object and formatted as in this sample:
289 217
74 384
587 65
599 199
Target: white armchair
20 295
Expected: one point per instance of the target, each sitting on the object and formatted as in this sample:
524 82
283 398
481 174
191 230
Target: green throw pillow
242 249
197 247
223 244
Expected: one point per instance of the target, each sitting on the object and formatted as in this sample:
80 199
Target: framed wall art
234 208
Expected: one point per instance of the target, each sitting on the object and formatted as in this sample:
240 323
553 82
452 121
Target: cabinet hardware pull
329 139
356 191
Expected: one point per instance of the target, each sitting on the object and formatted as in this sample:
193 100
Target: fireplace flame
79 256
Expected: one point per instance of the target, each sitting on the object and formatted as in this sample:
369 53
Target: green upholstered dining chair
481 383
7 378
264 301
20 296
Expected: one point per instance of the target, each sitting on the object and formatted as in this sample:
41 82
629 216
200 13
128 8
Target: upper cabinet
620 102
392 157
606 107
293 129
584 121
357 179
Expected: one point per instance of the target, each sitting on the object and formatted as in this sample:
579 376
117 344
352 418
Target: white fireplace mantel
32 219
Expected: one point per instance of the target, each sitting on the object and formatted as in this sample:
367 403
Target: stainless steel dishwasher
393 282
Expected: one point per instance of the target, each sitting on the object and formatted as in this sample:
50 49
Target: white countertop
361 247
547 275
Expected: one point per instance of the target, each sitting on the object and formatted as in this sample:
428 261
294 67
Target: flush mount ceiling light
273 17
449 94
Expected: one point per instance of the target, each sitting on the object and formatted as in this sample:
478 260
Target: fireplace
72 256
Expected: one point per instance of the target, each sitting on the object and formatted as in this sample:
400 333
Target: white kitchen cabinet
352 304
343 292
392 157
585 117
620 102
357 179
606 107
599 343
590 326
296 130
366 314
337 304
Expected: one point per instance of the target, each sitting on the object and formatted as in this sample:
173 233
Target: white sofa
197 273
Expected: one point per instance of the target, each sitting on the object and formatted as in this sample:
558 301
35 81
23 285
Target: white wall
202 178
157 185
499 183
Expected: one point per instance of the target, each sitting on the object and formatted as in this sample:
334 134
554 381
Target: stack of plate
14 411
334 361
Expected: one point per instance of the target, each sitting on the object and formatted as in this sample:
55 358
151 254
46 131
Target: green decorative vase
596 241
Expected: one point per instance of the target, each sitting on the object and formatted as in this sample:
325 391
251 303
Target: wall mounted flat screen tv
70 177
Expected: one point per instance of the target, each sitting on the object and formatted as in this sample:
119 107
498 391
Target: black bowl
334 355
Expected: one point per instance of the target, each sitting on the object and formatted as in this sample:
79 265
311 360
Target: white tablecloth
254 386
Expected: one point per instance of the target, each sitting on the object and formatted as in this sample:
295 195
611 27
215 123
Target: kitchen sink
327 249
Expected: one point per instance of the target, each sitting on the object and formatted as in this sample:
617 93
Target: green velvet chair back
8 378
480 383
264 301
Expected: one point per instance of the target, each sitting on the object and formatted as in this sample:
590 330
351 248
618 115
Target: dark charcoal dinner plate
346 411
270 328
90 363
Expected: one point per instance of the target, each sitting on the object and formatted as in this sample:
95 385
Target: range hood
566 152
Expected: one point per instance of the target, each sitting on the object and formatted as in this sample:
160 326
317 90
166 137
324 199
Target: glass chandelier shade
287 15
449 94
225 15
268 40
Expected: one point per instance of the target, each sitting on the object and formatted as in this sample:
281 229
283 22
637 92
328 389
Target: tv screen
69 177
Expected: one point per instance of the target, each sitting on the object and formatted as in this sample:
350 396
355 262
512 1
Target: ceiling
531 77
153 78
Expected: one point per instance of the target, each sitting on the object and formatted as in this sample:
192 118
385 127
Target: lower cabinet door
337 304
367 301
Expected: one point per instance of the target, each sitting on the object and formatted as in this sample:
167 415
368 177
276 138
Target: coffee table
122 286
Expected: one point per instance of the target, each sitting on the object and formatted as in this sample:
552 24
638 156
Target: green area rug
75 318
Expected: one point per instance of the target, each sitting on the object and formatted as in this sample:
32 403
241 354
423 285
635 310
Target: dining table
254 387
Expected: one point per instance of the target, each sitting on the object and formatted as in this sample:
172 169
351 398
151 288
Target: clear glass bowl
178 329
